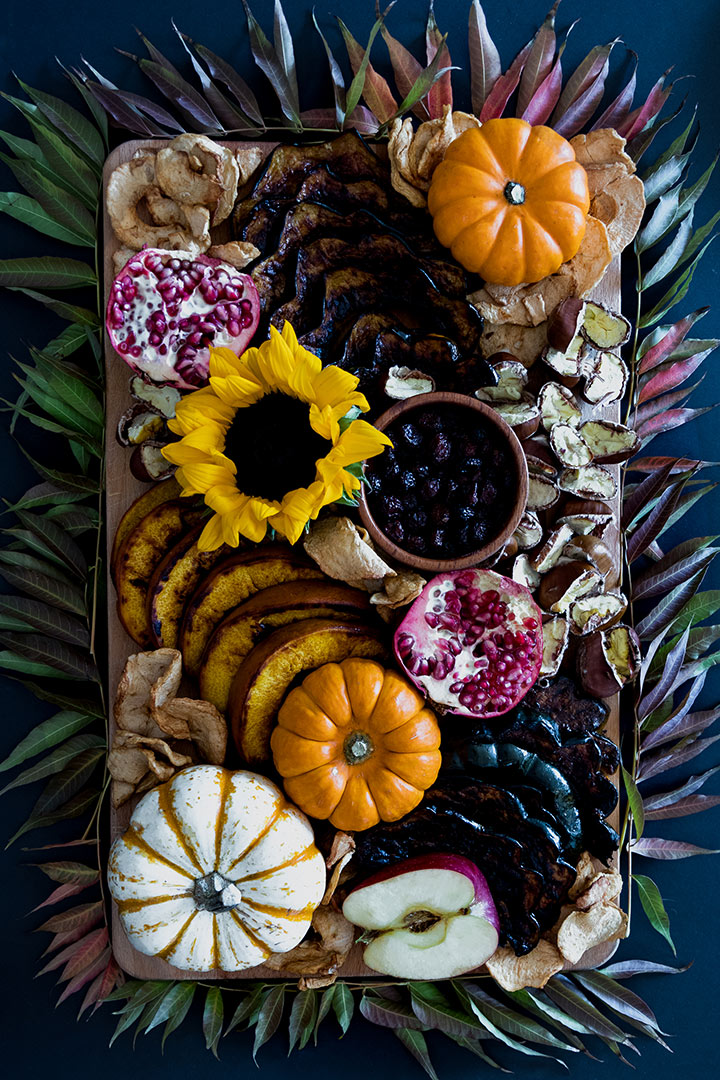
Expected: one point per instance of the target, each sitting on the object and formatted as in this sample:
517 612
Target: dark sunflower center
274 447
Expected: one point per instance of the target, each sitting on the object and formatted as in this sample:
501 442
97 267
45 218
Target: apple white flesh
434 917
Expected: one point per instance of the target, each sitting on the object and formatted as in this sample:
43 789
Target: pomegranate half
472 642
166 308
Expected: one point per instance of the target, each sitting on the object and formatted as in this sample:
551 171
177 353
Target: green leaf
24 149
173 997
269 1017
10 661
512 1022
71 779
270 64
433 1009
247 1007
56 761
70 123
677 291
561 991
483 1014
46 272
69 312
325 1005
302 1019
74 807
59 204
343 1005
58 429
670 258
213 1018
64 661
414 1041
653 906
30 212
635 802
57 540
181 1002
358 84
47 734
81 426
69 872
69 166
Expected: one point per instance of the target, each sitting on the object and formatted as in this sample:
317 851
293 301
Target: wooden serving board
123 489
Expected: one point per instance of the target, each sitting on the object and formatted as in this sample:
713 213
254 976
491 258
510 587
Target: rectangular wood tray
123 488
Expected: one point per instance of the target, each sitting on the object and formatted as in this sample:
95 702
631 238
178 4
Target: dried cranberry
431 488
488 494
441 447
396 532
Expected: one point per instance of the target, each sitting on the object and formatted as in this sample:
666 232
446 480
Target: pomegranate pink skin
472 643
483 904
166 308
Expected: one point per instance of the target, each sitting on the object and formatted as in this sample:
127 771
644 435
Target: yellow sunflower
264 443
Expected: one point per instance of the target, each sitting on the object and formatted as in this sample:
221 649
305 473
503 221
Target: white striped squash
216 870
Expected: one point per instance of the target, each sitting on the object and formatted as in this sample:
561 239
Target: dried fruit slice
142 551
589 482
265 611
569 445
607 660
166 309
237 577
472 642
608 442
163 492
558 405
267 672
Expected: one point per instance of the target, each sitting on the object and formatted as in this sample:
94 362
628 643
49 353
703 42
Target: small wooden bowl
519 482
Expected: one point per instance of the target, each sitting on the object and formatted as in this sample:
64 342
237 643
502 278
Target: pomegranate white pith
472 642
166 308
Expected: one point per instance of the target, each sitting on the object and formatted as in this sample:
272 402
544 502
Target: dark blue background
664 33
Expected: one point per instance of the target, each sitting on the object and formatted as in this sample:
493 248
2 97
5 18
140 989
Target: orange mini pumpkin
355 744
510 201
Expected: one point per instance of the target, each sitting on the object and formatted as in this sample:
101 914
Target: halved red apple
432 917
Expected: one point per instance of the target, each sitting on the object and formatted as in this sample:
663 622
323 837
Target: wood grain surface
123 488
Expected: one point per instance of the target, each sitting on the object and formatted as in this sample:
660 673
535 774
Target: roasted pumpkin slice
172 585
158 493
266 611
141 552
231 581
268 671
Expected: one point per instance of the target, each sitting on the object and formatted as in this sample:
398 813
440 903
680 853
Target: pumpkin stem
514 193
358 747
214 892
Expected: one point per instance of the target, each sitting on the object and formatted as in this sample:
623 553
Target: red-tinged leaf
387 1013
661 762
639 118
671 375
667 682
645 492
190 103
85 915
618 109
583 77
669 607
690 787
651 527
626 969
666 574
577 115
684 724
441 91
225 74
693 804
70 872
110 978
406 69
65 956
90 948
59 941
673 418
271 65
539 62
677 465
485 67
85 976
505 86
61 893
652 847
664 348
124 115
376 91
677 399
545 98
362 120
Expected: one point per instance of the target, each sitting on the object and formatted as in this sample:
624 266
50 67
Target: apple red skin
458 863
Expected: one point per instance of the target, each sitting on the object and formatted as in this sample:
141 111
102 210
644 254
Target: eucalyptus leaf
224 73
670 258
46 272
487 1019
485 66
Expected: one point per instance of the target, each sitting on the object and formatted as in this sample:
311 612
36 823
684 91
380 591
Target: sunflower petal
211 537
